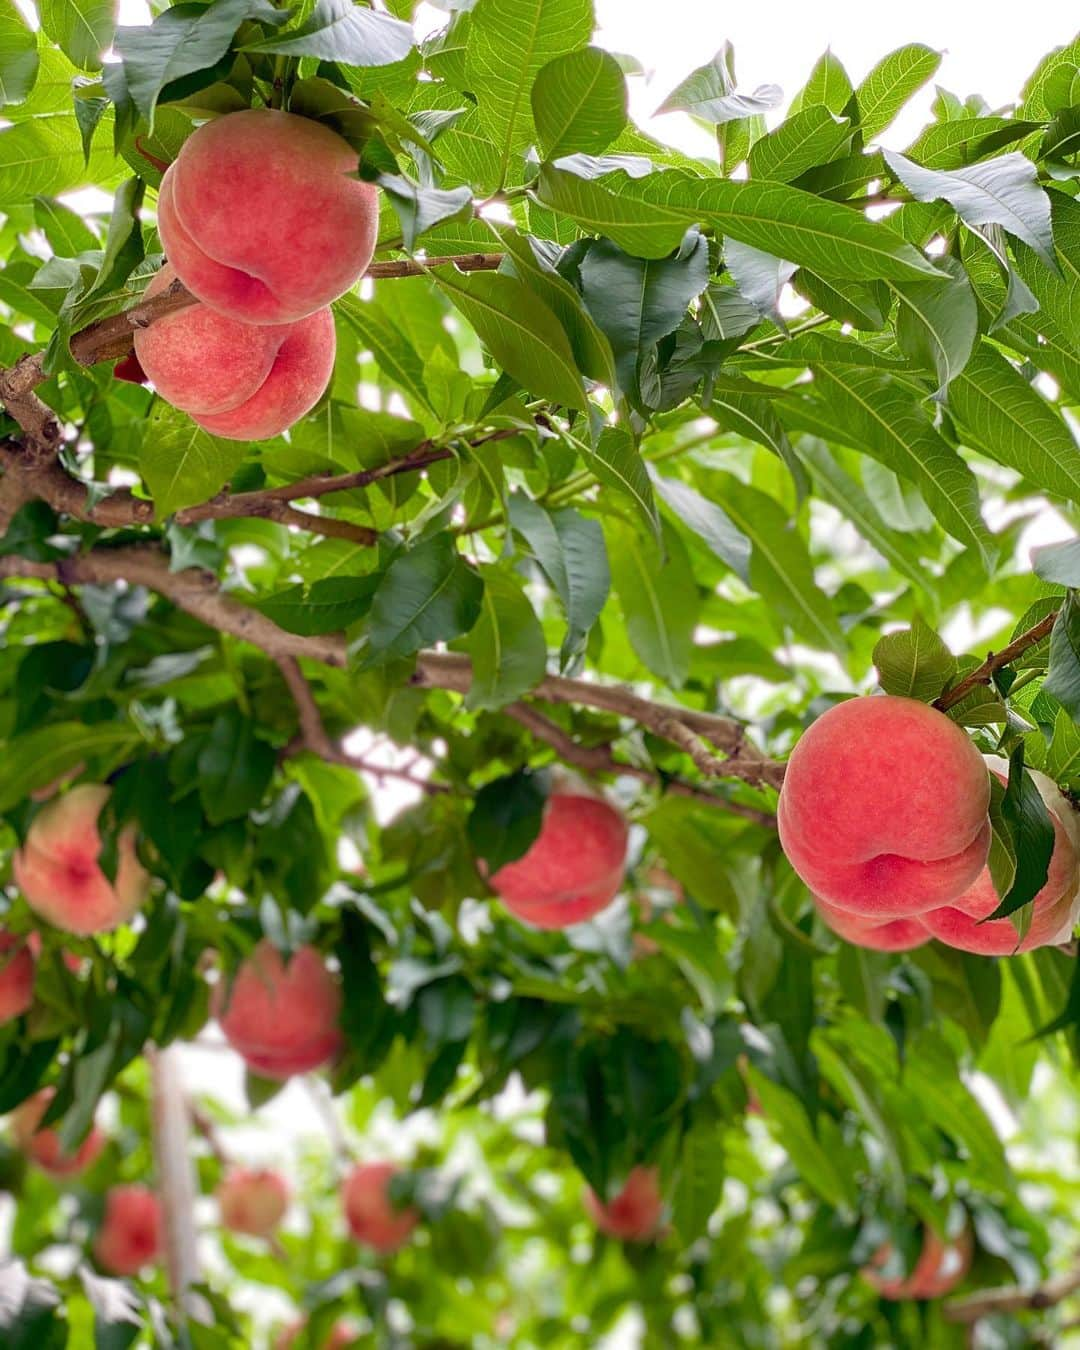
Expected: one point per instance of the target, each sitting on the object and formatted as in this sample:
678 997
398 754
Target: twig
995 661
1011 1298
199 594
208 1130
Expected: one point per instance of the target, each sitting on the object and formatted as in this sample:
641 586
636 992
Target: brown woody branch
1013 1299
199 594
994 662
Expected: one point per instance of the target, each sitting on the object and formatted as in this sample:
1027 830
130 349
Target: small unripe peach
635 1213
263 217
42 1146
282 1019
57 867
370 1212
130 1234
574 867
940 1268
16 976
253 1201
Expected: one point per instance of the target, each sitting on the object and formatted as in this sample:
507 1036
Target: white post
175 1174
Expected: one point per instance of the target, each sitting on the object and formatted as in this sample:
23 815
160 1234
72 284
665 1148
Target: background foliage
748 433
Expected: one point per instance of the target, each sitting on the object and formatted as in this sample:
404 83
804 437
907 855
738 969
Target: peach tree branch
994 662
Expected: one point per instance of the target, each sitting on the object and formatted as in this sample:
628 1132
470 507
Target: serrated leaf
708 521
617 463
829 86
428 594
579 103
1002 191
328 605
659 600
914 663
709 93
395 356
181 464
938 325
507 645
82 29
774 217
519 330
338 30
43 157
813 136
19 60
420 209
890 84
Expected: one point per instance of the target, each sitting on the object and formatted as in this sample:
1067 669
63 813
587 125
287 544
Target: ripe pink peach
883 811
574 867
635 1213
282 1019
253 1201
261 219
890 935
130 1234
16 976
236 380
57 867
42 1146
940 1268
369 1210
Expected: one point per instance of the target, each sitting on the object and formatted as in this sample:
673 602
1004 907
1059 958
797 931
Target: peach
234 379
130 1234
253 1201
16 976
940 1268
369 1210
57 867
282 1019
891 935
635 1213
574 867
342 1334
261 219
883 812
43 1146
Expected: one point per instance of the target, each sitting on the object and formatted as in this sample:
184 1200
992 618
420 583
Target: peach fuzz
282 1019
892 935
42 1146
883 812
130 1234
261 219
574 867
233 379
634 1215
940 1268
16 976
252 1201
57 867
369 1211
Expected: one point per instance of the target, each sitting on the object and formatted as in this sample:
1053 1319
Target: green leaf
43 157
1004 417
880 419
649 216
700 1184
182 41
395 356
1058 292
507 816
708 521
570 550
914 663
235 768
617 463
507 647
890 84
1032 833
709 93
1002 191
658 598
579 103
828 86
30 1311
509 43
1063 677
780 566
813 136
40 757
19 58
328 605
64 228
637 302
338 30
519 330
824 1171
428 594
124 242
950 145
938 325
420 209
181 464
1058 563
752 417
82 29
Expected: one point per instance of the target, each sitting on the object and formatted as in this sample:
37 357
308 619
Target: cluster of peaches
263 220
884 815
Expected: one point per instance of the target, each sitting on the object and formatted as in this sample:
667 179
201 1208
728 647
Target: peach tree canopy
631 465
